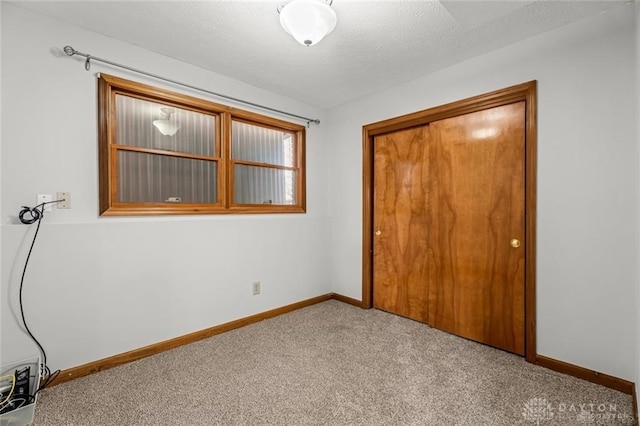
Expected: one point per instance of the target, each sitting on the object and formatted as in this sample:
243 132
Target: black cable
24 271
35 214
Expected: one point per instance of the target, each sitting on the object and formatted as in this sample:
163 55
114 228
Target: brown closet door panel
476 208
400 228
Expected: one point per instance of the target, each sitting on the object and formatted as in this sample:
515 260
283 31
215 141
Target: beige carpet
332 364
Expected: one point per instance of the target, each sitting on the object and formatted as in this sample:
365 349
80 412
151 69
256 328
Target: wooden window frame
110 86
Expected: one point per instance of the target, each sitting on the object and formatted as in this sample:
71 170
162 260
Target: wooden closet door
400 228
476 256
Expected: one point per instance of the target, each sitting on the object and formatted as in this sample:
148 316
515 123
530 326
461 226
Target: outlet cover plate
44 198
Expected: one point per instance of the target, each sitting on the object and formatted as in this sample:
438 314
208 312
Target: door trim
522 92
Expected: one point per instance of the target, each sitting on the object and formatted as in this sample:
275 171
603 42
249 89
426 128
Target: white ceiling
376 44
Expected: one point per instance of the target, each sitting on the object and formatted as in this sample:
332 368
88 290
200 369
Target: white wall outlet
44 198
66 196
256 288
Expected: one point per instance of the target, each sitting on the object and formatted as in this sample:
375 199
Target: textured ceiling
376 44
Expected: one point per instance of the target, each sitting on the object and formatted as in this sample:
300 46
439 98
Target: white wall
637 381
101 286
587 191
2 297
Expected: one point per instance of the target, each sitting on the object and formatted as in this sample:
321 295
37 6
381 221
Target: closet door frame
526 92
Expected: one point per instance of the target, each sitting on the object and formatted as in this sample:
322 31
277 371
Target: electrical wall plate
66 196
44 198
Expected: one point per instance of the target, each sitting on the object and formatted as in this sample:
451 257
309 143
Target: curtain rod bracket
70 51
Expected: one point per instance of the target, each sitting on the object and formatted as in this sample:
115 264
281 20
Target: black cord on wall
29 216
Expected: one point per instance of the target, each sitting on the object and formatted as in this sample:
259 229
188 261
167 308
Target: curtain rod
70 51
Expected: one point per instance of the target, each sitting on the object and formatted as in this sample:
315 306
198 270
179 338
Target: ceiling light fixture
308 21
165 125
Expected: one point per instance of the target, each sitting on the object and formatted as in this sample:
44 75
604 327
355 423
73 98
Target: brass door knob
515 243
378 232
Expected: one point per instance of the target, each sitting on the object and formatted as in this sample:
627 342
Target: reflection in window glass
263 185
195 132
261 144
151 178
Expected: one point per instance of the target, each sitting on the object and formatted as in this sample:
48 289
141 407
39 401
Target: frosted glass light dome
166 126
308 21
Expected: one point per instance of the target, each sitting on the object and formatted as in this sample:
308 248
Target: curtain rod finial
70 51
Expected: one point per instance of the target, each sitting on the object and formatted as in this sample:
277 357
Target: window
167 153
